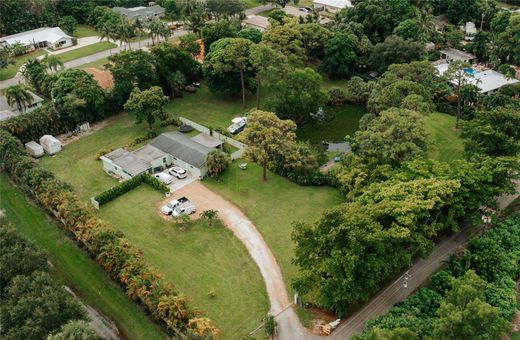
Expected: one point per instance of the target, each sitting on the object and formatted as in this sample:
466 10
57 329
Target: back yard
445 142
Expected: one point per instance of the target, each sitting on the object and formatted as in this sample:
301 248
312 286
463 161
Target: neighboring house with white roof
487 81
470 31
256 21
332 6
142 13
7 111
50 37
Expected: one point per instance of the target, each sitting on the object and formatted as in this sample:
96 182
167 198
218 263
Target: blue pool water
470 71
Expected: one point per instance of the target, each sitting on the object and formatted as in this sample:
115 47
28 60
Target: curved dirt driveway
289 326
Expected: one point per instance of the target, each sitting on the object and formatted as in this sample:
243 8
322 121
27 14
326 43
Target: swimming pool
470 71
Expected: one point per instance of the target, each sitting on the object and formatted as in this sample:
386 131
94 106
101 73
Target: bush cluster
119 258
128 185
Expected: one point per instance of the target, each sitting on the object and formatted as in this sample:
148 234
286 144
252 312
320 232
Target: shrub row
119 258
128 185
494 259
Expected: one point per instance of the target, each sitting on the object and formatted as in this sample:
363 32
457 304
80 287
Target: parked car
305 9
186 208
178 172
163 177
238 124
168 208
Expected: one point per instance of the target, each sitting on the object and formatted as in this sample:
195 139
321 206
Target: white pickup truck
186 208
170 206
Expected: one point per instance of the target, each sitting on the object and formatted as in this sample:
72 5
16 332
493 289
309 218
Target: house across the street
171 148
450 54
49 37
332 6
7 111
142 13
256 21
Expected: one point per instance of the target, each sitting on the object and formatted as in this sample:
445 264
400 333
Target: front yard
85 51
10 71
273 206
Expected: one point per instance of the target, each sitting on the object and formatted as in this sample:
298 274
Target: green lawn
444 142
10 71
345 122
207 108
85 51
198 261
74 268
76 164
273 206
515 336
99 64
83 31
251 3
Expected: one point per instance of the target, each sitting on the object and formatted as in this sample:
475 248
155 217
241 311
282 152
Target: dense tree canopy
340 56
287 39
147 105
395 50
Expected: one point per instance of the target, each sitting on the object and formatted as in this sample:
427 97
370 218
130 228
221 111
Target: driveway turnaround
289 326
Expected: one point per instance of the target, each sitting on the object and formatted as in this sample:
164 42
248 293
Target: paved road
143 44
256 10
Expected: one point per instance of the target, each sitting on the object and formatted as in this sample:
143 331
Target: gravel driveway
289 326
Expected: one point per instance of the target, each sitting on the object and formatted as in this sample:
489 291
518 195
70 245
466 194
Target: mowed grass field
200 261
345 122
73 267
85 51
445 144
209 109
83 31
273 206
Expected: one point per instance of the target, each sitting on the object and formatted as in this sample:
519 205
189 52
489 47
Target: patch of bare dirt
104 78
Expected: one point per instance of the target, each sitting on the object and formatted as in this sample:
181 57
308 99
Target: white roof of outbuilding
50 34
207 140
334 3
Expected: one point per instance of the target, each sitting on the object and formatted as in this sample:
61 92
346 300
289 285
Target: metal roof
207 140
49 34
131 164
453 53
141 11
116 154
149 153
182 147
333 3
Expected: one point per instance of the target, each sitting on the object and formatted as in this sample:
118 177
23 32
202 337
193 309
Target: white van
164 178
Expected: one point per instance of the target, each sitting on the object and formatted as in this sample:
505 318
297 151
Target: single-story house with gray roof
186 152
126 164
7 111
142 13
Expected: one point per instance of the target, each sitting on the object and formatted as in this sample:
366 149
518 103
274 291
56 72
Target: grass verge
83 31
73 267
85 51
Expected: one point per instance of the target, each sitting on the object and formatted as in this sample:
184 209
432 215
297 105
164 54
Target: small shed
34 149
50 144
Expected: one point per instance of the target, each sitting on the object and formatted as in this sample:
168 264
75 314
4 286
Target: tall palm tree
138 30
106 33
18 94
124 30
155 28
53 63
34 72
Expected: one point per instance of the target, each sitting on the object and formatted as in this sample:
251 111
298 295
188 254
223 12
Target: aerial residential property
259 169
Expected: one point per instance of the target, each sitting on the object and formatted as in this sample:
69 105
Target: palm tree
155 28
176 80
106 33
124 30
53 63
165 32
18 94
138 30
210 216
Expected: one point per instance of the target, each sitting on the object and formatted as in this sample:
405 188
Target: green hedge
128 185
116 254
